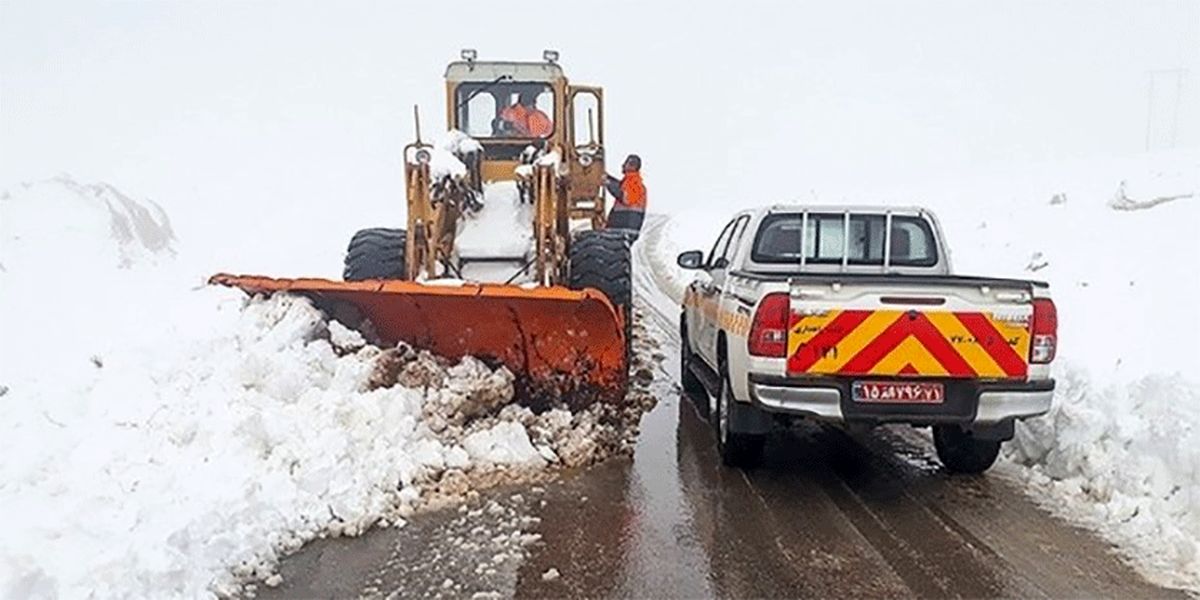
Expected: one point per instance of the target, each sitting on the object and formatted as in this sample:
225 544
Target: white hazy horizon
228 112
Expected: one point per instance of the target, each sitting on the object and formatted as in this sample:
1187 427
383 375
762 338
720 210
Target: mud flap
747 418
1002 431
561 344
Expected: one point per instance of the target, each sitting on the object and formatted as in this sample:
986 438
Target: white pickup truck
850 315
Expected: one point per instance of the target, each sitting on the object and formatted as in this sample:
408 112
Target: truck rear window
779 240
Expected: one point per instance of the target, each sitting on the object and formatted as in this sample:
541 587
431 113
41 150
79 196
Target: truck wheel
692 386
742 450
376 253
961 452
600 259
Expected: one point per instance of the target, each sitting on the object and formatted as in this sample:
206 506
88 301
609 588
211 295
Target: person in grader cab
525 119
629 210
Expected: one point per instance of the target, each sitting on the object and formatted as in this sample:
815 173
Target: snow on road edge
179 446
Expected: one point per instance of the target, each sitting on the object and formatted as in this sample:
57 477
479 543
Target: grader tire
376 253
601 259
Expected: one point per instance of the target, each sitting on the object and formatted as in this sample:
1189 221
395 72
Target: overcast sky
224 110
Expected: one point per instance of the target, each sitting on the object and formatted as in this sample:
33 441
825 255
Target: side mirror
692 259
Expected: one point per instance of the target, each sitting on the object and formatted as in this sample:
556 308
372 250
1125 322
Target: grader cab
504 256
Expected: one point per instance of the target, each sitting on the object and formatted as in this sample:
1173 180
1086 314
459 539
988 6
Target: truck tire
600 259
740 450
376 253
962 452
693 388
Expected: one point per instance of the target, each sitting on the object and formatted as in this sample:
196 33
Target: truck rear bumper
967 403
999 406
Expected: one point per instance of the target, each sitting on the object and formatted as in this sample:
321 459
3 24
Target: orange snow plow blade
561 344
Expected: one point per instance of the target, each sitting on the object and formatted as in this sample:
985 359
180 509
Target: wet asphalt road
828 515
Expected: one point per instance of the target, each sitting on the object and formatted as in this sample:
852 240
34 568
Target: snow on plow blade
561 344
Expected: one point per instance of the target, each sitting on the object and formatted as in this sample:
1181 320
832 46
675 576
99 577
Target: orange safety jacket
528 121
630 193
538 124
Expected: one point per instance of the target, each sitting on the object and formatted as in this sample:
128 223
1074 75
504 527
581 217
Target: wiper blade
491 84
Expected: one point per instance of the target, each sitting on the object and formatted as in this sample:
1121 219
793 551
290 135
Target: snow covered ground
163 438
129 387
1117 239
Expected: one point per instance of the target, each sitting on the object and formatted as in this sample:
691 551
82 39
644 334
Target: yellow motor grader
552 301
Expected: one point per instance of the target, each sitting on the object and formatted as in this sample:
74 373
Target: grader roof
490 70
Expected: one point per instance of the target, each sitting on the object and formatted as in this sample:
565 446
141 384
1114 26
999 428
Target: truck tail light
1045 331
769 330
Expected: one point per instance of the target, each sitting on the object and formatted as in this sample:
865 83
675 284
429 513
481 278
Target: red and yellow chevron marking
892 342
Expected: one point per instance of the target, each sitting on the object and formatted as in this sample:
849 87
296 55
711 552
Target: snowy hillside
1117 240
168 439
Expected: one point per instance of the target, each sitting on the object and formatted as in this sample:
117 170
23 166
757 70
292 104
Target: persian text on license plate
898 392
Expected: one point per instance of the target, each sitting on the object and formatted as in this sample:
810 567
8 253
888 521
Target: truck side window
910 244
718 249
735 242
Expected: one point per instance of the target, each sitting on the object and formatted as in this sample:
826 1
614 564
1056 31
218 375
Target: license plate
898 392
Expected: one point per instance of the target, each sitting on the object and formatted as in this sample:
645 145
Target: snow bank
1125 459
1120 450
659 235
103 227
168 439
1116 239
74 258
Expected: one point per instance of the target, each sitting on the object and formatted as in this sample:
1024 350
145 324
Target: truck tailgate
902 330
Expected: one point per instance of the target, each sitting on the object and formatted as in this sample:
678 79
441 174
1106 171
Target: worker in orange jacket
629 210
525 119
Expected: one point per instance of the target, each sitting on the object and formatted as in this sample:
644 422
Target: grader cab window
506 110
585 107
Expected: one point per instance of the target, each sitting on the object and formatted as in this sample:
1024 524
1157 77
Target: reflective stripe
890 342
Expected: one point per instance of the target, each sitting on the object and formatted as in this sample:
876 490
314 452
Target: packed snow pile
503 227
458 143
444 154
167 439
1126 458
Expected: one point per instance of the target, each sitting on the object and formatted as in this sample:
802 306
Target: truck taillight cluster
769 330
1045 331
